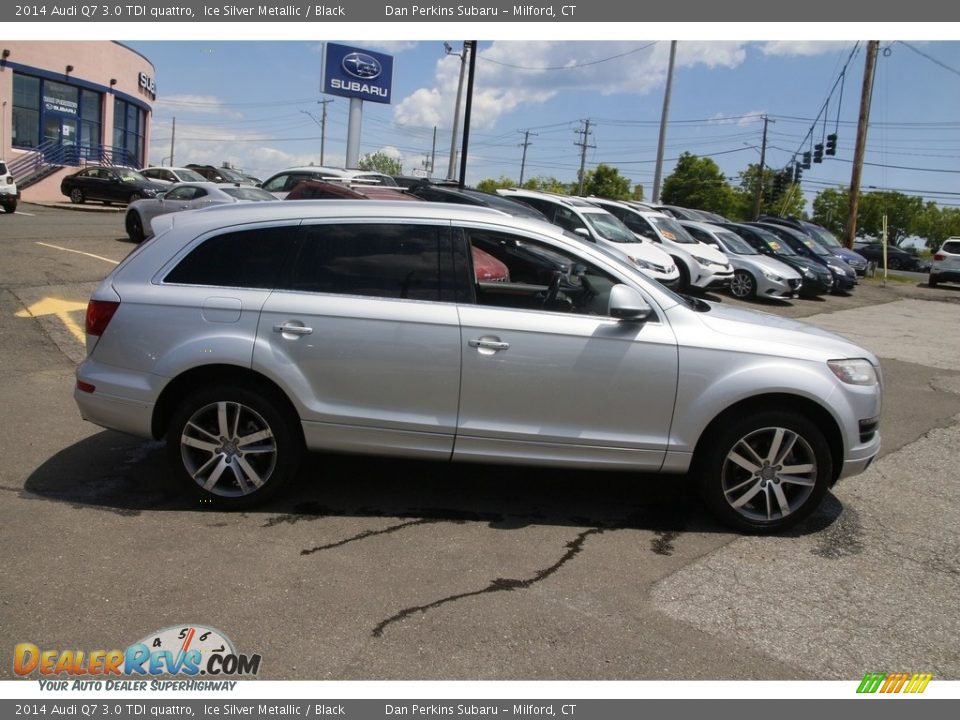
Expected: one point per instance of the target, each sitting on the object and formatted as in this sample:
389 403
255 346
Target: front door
62 131
549 377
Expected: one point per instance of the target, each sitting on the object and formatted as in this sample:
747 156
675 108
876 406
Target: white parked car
171 175
584 219
754 275
9 195
946 263
702 267
248 333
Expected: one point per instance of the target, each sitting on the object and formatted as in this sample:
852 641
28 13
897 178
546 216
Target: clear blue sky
250 104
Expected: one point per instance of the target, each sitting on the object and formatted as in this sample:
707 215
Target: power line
930 58
576 66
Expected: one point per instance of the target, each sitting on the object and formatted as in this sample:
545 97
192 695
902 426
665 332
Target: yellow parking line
79 252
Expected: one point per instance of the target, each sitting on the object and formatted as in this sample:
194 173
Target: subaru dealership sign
355 73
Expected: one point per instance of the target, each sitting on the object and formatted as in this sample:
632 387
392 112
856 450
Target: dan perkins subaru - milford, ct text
479 11
275 11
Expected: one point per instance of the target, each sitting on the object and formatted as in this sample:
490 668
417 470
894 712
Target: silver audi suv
248 334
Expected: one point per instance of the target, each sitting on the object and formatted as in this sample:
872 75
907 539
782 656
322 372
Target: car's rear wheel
232 447
76 196
743 286
894 263
932 281
766 471
134 227
10 206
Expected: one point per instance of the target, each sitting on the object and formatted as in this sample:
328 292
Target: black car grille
794 283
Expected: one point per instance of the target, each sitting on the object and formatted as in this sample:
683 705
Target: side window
568 220
639 225
516 272
376 260
243 259
180 193
278 183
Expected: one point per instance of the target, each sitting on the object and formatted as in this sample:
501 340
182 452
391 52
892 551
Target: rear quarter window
251 258
952 247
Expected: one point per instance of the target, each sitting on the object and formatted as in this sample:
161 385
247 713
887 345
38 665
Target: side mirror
159 195
627 304
583 232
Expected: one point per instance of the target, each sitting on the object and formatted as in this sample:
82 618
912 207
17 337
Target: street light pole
448 49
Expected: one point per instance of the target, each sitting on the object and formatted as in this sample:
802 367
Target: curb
78 207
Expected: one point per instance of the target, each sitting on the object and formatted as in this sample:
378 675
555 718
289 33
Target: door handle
488 344
292 329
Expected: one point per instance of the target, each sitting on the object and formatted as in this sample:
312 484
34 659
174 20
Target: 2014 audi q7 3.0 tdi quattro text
247 334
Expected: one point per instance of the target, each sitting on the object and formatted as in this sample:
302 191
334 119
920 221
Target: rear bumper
945 275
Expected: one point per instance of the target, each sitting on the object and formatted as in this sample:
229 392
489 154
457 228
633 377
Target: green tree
381 162
606 181
490 185
698 183
637 192
935 224
789 201
830 209
900 210
547 184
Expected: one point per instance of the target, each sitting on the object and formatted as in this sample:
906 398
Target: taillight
939 256
99 314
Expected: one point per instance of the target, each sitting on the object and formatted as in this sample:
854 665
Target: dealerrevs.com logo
179 650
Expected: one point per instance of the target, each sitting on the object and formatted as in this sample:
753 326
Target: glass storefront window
128 123
25 130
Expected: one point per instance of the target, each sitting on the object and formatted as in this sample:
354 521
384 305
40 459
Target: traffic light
779 183
797 172
818 153
831 144
806 160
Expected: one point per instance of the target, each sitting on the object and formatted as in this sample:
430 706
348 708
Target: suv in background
9 195
284 181
946 263
246 334
221 174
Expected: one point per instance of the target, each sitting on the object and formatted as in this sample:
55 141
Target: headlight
640 263
705 261
771 276
856 371
808 273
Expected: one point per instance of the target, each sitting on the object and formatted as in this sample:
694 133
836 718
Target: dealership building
65 105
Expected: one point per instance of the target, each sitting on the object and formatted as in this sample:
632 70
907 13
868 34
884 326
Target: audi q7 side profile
248 334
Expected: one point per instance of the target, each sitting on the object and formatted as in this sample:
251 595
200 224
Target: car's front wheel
232 447
766 471
743 286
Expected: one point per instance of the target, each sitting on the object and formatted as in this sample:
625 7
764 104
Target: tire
762 499
134 197
10 207
134 226
76 196
743 286
683 284
931 281
894 263
210 448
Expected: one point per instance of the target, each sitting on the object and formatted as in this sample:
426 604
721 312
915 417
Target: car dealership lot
379 569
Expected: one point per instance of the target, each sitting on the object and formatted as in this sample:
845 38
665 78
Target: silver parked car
186 196
754 275
276 328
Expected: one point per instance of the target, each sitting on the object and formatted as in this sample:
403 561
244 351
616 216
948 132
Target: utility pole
865 97
323 127
583 145
173 136
758 193
433 151
664 118
526 142
451 170
472 46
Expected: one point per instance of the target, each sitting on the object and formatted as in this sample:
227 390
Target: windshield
248 193
817 248
736 244
190 176
672 230
773 242
131 176
231 176
609 228
823 235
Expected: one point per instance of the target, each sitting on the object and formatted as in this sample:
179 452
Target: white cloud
800 47
747 118
511 74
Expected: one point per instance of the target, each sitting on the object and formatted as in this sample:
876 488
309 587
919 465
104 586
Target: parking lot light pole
664 117
452 168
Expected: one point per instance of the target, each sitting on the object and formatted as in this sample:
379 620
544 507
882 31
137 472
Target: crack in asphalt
372 533
574 547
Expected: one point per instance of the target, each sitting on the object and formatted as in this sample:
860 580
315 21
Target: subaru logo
361 65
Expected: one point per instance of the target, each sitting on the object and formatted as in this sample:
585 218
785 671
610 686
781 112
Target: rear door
363 335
